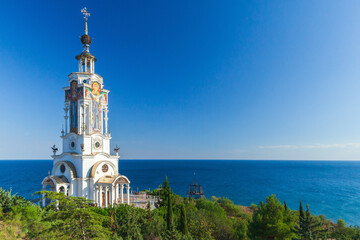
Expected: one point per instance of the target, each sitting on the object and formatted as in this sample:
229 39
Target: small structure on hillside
195 190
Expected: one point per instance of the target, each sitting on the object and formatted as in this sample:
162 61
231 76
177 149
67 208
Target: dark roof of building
60 179
85 55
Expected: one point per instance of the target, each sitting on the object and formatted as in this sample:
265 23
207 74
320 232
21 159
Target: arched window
62 189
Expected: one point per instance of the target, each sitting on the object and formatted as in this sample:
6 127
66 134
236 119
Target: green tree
31 219
200 225
301 213
269 221
241 228
341 232
217 222
231 209
165 192
310 227
129 221
154 226
74 218
183 221
173 234
169 215
9 200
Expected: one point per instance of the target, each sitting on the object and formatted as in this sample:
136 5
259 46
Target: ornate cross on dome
86 15
85 12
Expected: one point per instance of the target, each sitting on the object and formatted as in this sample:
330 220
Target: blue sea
331 188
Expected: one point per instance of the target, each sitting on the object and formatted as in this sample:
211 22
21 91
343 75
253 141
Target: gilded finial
86 15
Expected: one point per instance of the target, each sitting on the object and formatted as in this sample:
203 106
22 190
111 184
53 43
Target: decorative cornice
86 136
85 73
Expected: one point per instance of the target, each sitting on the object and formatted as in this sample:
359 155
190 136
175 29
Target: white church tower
85 168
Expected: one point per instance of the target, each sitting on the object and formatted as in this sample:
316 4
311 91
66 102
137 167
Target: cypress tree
309 227
165 192
166 183
285 206
148 210
301 211
183 222
169 216
300 230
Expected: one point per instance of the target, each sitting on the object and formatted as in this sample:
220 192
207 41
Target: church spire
86 60
86 15
86 28
85 39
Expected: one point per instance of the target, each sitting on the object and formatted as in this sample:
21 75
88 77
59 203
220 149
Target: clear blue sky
189 79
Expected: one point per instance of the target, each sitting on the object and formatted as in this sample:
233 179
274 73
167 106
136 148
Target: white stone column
116 193
86 70
96 195
128 193
86 118
111 194
122 193
43 195
106 196
106 121
83 118
89 65
66 117
71 189
100 196
80 188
